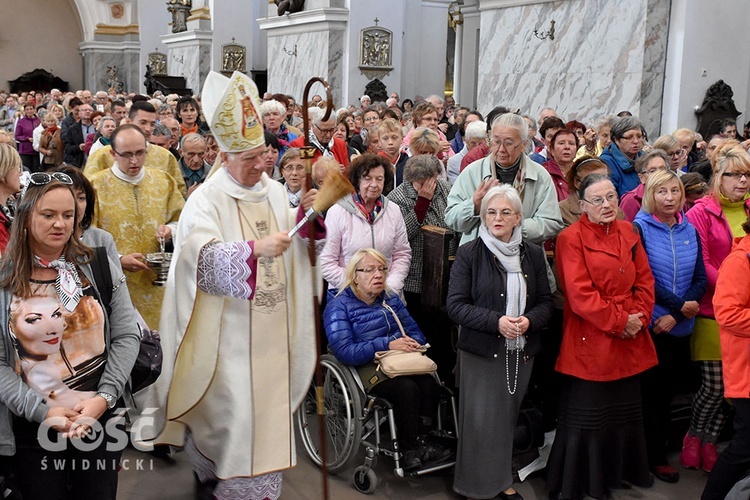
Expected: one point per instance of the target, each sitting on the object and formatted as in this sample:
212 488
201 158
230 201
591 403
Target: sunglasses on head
42 178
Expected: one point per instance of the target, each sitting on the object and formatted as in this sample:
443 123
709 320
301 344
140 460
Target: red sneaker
708 456
690 458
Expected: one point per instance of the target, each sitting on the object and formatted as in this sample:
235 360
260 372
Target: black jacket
476 298
72 138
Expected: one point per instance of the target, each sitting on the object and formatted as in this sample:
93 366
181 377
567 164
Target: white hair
502 191
315 114
435 98
391 102
514 121
362 99
269 106
475 130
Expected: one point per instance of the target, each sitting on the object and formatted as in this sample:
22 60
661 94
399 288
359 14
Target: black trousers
68 474
659 386
31 162
734 462
412 397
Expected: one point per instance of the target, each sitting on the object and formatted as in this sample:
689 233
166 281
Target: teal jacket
541 213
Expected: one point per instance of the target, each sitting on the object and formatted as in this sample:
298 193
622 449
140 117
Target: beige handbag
398 363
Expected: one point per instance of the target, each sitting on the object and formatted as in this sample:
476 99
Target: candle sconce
546 34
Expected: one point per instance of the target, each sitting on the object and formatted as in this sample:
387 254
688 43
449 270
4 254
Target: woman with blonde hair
718 218
366 317
10 184
680 282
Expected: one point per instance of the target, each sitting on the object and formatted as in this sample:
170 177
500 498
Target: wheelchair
354 418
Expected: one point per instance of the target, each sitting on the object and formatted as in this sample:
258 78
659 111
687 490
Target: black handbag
147 367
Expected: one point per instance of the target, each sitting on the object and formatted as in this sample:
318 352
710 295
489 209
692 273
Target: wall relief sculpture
158 63
376 51
233 58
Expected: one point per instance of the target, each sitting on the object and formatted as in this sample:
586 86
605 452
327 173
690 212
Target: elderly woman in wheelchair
365 318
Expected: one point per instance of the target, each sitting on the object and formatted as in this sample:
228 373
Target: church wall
45 34
153 22
237 20
606 57
703 36
392 15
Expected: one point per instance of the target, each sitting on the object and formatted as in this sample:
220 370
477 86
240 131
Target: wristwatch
109 398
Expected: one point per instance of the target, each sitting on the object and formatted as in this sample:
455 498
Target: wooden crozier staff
335 187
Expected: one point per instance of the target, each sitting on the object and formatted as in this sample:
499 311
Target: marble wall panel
596 65
95 69
289 73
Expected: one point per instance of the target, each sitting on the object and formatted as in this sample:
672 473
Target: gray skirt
487 415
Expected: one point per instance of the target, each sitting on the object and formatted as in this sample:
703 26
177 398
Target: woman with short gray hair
500 296
627 145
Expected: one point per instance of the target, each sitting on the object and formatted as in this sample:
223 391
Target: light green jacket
541 213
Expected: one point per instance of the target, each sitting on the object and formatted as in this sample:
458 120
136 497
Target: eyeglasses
633 137
293 168
42 178
504 214
675 153
508 144
599 201
326 130
140 154
372 269
737 175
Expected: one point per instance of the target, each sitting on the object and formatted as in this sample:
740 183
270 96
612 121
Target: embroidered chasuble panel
269 349
132 214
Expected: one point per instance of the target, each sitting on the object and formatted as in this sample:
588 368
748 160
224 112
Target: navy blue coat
356 330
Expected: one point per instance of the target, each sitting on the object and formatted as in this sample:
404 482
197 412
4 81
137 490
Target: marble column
304 45
606 57
99 55
189 55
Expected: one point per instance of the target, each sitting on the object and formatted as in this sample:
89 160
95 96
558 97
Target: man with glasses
137 205
74 137
370 117
506 164
142 115
321 137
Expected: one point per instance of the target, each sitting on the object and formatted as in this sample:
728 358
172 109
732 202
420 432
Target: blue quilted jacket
621 170
676 261
356 330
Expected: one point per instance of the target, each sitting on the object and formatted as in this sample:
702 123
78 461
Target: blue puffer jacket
674 254
356 330
621 170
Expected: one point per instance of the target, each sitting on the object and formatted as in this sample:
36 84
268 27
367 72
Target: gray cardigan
122 339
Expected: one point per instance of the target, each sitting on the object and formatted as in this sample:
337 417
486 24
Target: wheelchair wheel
365 482
343 408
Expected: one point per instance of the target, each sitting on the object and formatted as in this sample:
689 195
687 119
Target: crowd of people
584 256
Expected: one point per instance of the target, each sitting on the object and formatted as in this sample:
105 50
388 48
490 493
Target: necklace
507 363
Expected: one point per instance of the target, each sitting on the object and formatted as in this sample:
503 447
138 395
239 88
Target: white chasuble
235 370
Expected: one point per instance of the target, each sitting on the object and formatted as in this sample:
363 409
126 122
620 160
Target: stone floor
159 480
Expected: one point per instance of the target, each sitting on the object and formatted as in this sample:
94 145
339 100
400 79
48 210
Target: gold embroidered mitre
231 107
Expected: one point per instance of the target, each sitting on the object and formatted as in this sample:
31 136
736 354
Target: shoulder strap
395 316
102 275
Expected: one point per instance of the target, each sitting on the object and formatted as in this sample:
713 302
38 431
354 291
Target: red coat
731 303
604 282
339 150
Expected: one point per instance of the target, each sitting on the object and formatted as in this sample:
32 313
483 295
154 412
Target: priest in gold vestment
237 323
135 203
142 115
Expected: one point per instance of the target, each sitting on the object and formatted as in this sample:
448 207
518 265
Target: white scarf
326 150
509 255
67 284
130 179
